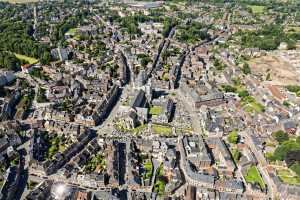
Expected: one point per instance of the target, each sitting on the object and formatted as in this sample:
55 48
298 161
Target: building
6 78
167 111
234 186
60 53
200 94
196 152
11 183
221 153
82 195
198 179
42 192
140 106
27 68
103 109
290 127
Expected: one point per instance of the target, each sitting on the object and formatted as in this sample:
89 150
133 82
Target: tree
296 168
282 150
286 104
233 137
280 136
246 69
298 139
268 77
9 61
293 88
243 94
236 154
292 157
45 59
228 88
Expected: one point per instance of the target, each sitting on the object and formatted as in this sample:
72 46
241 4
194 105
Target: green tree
296 168
280 136
243 94
233 137
284 148
45 58
228 88
286 104
246 69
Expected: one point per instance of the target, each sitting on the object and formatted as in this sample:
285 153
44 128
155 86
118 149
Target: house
232 185
6 77
131 120
11 183
167 107
27 68
290 127
141 79
277 94
82 195
222 154
41 192
139 105
60 53
200 94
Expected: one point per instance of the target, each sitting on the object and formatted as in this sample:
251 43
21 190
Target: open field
281 65
257 9
30 60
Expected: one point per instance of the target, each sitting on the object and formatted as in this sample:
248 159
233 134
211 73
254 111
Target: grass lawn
253 176
236 155
96 163
148 169
121 127
253 108
72 31
76 37
30 60
159 185
257 9
184 130
139 128
287 177
155 110
162 130
293 29
251 105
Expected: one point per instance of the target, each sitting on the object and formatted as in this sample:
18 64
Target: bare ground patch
281 71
